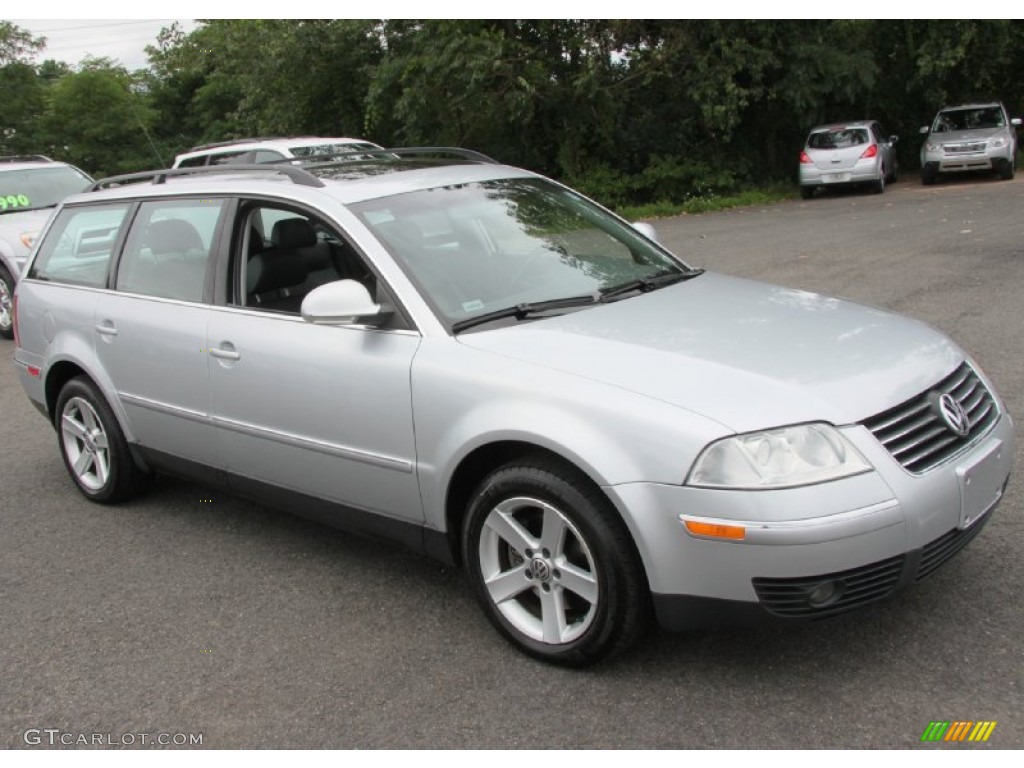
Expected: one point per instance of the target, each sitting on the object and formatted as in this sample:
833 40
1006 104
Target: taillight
805 158
14 318
869 152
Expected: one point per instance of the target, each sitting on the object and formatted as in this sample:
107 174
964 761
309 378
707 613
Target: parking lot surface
189 611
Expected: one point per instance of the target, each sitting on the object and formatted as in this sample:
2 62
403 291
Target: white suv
271 150
969 137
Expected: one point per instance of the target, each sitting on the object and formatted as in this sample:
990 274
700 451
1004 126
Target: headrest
171 236
293 233
274 270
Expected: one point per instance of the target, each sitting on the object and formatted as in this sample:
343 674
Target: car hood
973 134
746 354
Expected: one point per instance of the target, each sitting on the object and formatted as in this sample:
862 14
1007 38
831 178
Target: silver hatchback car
848 154
488 367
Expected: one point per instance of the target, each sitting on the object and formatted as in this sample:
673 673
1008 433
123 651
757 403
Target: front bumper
986 160
868 536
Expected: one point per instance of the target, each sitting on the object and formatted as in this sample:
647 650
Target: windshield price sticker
13 201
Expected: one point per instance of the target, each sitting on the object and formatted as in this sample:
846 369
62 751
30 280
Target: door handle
225 351
106 328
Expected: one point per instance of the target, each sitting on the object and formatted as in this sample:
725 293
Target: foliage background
633 112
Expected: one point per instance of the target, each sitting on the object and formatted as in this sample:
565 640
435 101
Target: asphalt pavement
192 612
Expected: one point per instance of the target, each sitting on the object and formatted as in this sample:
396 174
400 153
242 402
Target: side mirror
343 302
647 230
1015 121
893 139
924 129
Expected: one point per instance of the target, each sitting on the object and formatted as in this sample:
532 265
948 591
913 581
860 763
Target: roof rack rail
232 142
468 154
297 175
25 159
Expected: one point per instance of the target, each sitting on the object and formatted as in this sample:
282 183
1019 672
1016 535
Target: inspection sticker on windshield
472 306
13 201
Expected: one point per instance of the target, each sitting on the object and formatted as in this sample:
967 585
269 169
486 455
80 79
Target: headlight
778 458
933 146
997 142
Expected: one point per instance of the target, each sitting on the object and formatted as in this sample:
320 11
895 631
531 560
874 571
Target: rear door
151 329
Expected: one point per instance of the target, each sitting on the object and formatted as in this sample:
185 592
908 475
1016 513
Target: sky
71 40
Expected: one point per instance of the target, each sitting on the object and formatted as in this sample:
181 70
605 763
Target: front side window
168 249
477 248
42 187
78 246
285 254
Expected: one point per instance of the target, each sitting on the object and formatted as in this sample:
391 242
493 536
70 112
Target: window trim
227 281
131 206
216 244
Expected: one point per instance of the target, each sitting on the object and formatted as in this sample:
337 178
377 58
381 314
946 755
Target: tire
927 177
583 594
806 192
6 304
895 175
93 446
878 186
1006 170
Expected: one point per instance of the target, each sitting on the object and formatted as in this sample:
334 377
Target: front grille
915 434
858 586
943 548
960 149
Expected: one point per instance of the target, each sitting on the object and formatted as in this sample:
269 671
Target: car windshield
43 187
334 148
967 119
838 138
476 248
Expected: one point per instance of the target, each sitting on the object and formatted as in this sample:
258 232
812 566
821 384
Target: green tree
95 119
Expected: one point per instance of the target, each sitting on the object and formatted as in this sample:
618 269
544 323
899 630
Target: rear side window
267 156
168 249
840 138
78 246
193 162
228 157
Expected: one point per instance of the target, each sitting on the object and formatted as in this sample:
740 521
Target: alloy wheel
538 570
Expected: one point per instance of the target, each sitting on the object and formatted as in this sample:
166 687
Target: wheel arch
487 457
66 368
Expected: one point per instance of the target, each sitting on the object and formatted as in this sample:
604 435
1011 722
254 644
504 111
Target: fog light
825 593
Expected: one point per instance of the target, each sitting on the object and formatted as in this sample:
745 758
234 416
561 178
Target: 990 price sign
13 201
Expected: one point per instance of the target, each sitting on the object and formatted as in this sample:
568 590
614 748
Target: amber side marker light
716 531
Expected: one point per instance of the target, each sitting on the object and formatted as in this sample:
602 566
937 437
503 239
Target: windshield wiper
649 283
523 311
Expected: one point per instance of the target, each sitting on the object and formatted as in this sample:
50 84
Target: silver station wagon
486 366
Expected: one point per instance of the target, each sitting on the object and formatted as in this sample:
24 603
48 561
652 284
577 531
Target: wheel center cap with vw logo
541 569
954 415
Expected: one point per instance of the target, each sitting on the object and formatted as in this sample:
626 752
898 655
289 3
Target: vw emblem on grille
954 415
